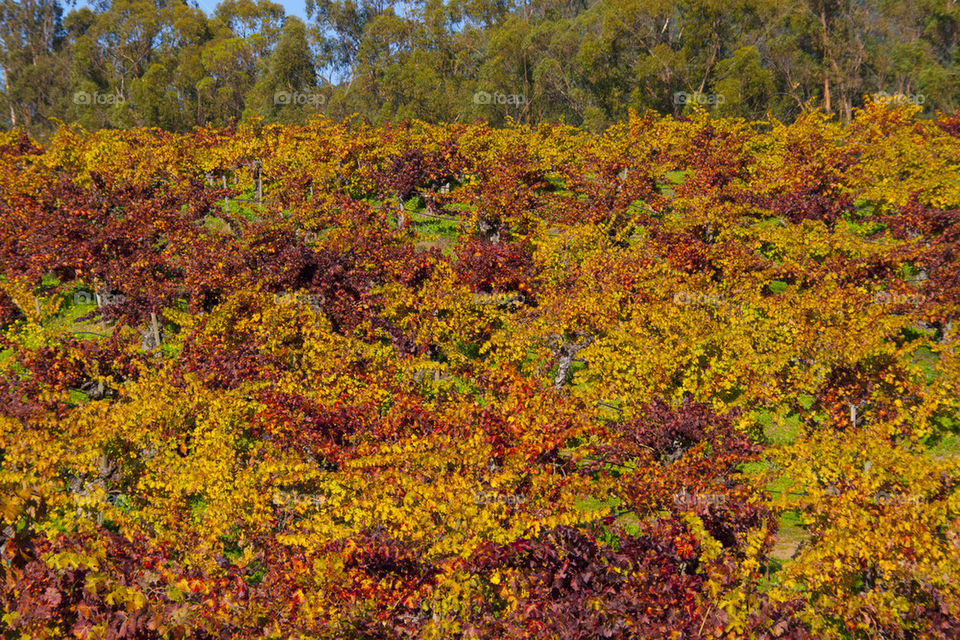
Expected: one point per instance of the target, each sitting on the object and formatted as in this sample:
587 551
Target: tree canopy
164 63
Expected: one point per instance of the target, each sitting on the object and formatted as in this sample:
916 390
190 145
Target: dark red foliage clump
668 432
502 267
950 124
811 202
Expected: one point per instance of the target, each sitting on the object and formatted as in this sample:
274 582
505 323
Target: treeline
168 64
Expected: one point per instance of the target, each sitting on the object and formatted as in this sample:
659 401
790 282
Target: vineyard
690 377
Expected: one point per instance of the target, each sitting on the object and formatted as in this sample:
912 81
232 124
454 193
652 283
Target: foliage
690 377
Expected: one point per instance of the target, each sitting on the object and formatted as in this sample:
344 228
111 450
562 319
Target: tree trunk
258 166
156 329
825 40
488 230
566 355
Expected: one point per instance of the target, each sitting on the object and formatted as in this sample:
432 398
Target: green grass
677 177
790 535
630 523
65 322
926 360
62 325
591 504
948 446
672 178
197 504
430 228
216 224
435 233
779 430
866 228
247 210
778 286
76 397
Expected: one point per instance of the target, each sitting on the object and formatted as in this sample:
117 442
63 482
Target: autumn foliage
684 379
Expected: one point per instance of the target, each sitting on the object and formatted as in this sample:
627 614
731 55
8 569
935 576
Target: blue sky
291 7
